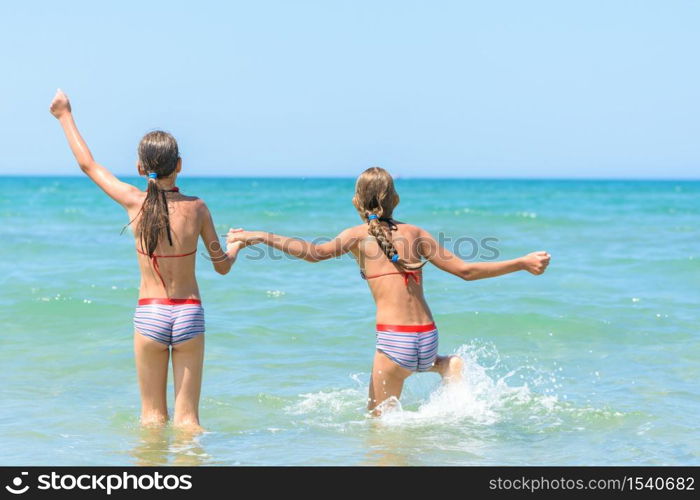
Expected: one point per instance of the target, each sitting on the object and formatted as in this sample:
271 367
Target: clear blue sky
432 88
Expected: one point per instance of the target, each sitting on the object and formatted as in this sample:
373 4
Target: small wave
525 214
327 405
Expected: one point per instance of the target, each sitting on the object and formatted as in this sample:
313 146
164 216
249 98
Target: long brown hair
375 195
158 154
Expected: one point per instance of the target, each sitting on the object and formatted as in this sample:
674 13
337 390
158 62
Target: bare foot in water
153 420
188 427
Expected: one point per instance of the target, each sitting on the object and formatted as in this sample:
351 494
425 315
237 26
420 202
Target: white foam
325 403
482 398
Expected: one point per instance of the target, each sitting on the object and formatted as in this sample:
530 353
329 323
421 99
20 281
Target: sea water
595 362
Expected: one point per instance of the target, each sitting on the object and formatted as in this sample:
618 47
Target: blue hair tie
395 258
152 175
372 217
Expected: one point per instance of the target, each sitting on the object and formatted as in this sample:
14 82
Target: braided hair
375 199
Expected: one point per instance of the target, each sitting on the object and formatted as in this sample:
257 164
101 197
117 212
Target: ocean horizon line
397 177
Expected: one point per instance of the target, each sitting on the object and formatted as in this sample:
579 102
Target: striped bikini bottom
413 347
169 321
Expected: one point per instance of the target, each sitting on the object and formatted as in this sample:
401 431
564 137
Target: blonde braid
382 236
375 198
386 243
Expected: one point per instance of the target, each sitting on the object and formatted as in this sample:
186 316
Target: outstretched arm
222 261
535 263
121 192
310 252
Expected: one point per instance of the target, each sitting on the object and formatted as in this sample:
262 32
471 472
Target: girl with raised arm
389 255
167 224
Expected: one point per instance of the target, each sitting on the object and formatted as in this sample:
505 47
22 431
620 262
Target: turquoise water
595 362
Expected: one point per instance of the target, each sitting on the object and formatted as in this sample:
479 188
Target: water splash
481 398
487 394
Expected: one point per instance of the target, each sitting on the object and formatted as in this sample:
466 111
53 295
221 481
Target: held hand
234 246
536 262
60 105
244 237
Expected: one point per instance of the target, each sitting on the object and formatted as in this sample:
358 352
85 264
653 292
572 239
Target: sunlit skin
396 303
190 220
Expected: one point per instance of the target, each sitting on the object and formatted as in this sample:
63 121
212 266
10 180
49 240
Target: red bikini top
406 275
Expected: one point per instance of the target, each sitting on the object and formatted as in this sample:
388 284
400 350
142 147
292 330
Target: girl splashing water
167 224
389 254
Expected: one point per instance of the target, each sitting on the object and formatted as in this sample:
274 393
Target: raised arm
310 252
534 263
121 192
222 261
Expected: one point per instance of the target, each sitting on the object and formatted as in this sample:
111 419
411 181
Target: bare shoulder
360 228
194 207
197 204
411 229
359 231
139 197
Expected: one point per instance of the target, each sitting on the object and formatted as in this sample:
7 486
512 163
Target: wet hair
158 154
375 195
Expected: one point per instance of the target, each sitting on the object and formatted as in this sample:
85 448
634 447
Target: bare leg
188 358
152 369
449 368
386 382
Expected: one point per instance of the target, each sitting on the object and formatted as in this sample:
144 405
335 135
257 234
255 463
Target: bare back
187 215
398 297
